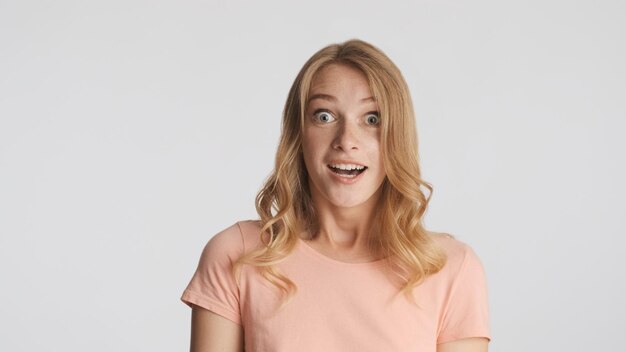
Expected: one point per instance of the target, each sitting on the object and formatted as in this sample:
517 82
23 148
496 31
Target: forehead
339 79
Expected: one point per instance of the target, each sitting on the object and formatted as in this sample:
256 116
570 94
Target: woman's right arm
211 332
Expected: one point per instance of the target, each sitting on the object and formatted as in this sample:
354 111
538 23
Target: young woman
339 259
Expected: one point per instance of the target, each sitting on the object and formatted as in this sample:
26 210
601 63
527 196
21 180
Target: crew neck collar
305 247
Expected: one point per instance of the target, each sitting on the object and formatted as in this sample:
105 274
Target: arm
211 332
473 344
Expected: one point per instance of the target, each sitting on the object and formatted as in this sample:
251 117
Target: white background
133 131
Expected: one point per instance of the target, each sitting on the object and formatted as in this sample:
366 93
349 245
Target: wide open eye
372 118
324 116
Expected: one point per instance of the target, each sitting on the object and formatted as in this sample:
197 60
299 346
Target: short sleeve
466 313
213 285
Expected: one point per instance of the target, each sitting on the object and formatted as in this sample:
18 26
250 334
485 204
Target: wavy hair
284 202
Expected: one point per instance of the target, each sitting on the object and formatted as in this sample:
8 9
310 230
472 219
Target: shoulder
459 254
229 244
250 231
238 232
226 243
244 236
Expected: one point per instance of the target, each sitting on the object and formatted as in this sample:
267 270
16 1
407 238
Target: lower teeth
349 176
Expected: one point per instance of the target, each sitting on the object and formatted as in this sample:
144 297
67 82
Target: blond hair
284 202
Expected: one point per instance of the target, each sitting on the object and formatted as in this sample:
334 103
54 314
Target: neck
345 230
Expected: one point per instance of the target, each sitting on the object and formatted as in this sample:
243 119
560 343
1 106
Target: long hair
284 202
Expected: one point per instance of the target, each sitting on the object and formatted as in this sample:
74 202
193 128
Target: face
342 130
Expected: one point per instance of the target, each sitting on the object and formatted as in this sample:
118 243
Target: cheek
310 148
375 153
313 142
306 144
373 147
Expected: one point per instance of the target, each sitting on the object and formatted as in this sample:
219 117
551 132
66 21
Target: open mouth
347 173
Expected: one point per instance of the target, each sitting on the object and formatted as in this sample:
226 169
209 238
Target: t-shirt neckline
305 247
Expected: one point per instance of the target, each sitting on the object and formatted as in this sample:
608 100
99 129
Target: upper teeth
347 166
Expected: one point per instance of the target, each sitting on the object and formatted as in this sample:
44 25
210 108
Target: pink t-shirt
340 306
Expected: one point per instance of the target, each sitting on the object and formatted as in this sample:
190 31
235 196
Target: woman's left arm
472 344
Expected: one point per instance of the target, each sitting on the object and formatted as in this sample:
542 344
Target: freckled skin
346 129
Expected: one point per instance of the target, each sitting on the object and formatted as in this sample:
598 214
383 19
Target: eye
324 116
372 118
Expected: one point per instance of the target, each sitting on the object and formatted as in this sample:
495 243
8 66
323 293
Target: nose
347 136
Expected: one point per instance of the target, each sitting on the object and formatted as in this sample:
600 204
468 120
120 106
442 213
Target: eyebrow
332 98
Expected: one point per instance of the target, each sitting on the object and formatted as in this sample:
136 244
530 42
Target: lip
346 180
345 161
